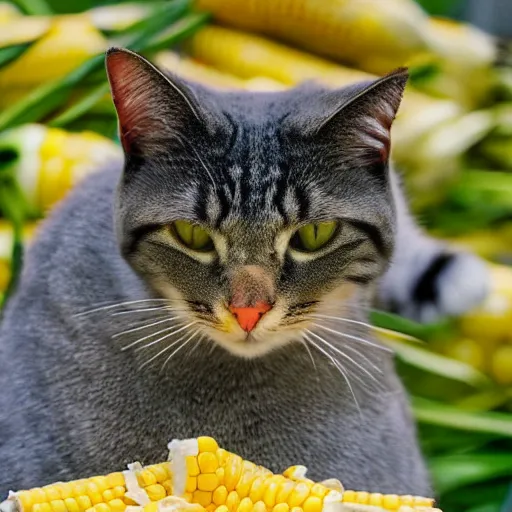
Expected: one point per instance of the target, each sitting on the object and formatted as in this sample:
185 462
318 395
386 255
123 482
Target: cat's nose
248 317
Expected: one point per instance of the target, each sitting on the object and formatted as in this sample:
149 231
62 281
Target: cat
219 284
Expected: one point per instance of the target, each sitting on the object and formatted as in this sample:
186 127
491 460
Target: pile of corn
201 477
452 140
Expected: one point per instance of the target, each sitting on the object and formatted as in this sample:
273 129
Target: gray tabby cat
219 285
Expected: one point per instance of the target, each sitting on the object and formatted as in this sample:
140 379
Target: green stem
81 107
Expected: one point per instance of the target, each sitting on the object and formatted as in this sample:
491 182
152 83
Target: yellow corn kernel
257 489
79 488
232 471
44 507
407 501
151 507
312 504
52 493
192 466
37 495
207 462
232 501
119 491
108 495
298 495
220 475
58 506
244 484
318 490
207 444
208 482
129 501
101 507
93 493
281 507
248 466
349 496
38 507
223 508
160 472
191 484
222 456
284 491
269 496
419 501
26 500
259 506
145 477
167 485
220 495
115 479
65 490
296 509
71 505
211 508
245 505
101 482
188 496
156 492
375 499
84 502
391 501
116 505
204 498
362 497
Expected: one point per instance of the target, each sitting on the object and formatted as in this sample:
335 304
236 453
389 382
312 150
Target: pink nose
248 317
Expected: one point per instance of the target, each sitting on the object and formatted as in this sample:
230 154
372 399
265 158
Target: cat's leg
427 279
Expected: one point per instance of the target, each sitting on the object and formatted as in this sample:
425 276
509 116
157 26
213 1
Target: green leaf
397 323
452 472
10 53
34 7
435 413
437 364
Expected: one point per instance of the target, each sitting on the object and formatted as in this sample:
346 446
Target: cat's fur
251 167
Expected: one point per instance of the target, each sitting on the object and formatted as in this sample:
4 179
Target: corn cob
347 30
47 162
201 477
69 42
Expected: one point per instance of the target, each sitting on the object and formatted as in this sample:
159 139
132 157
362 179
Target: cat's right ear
151 107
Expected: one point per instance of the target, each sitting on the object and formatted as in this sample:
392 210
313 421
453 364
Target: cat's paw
437 285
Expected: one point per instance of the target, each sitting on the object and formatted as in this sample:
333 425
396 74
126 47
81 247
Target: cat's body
73 403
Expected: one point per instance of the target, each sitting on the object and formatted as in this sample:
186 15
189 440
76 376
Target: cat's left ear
359 118
151 107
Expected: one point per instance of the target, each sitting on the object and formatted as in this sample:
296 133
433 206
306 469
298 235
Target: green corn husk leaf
10 53
34 7
498 151
455 471
434 413
48 97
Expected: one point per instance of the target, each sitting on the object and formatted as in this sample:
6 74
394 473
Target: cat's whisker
145 326
358 322
159 340
343 354
355 338
107 306
183 345
194 348
144 310
306 346
157 355
140 340
340 369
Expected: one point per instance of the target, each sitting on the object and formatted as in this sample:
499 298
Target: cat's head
253 211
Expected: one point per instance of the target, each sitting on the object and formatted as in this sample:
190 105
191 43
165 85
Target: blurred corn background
452 141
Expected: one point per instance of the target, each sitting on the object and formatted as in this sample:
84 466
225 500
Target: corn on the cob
348 30
69 42
201 477
48 161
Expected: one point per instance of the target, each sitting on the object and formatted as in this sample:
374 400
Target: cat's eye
192 236
314 236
